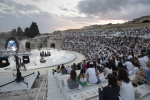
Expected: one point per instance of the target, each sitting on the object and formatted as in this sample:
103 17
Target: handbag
79 87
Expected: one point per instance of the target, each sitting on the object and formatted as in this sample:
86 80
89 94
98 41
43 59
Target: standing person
84 65
73 80
82 79
81 65
78 66
126 88
110 92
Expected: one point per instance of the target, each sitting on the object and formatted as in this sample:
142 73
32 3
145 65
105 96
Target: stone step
55 96
23 97
53 91
12 98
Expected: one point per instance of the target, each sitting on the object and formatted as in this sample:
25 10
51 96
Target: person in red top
84 65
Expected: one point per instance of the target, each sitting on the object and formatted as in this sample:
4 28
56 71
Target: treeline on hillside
29 32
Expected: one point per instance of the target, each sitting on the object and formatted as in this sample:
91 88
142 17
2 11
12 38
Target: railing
44 95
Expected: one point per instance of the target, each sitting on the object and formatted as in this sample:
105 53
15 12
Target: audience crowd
109 57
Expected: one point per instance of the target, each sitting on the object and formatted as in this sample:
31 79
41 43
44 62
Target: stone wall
141 19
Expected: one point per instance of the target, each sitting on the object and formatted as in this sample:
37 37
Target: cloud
114 9
46 22
9 4
63 8
52 15
14 15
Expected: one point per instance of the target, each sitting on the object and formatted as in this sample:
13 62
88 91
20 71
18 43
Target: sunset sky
53 15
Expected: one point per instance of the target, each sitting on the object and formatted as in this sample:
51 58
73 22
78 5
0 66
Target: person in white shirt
126 87
136 70
128 65
100 74
129 57
92 78
145 58
69 69
142 61
107 69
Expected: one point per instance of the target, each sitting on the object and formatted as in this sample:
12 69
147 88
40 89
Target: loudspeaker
28 45
26 59
4 62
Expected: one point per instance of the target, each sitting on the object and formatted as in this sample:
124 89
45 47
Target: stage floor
56 58
16 86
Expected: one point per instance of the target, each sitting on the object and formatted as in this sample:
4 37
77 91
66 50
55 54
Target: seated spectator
92 78
107 69
57 69
63 69
69 69
114 69
82 78
100 70
96 70
74 67
73 80
129 66
135 69
136 62
143 75
141 61
110 92
101 74
126 88
120 66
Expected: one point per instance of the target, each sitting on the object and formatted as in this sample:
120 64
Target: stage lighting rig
19 77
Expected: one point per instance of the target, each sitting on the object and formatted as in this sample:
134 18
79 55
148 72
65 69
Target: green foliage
19 32
13 32
29 32
32 31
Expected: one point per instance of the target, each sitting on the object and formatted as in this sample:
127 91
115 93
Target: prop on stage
42 60
45 54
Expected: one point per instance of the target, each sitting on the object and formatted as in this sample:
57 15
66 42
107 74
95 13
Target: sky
54 15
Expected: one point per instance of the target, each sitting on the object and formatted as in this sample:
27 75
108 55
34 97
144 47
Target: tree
13 32
27 32
19 32
34 31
